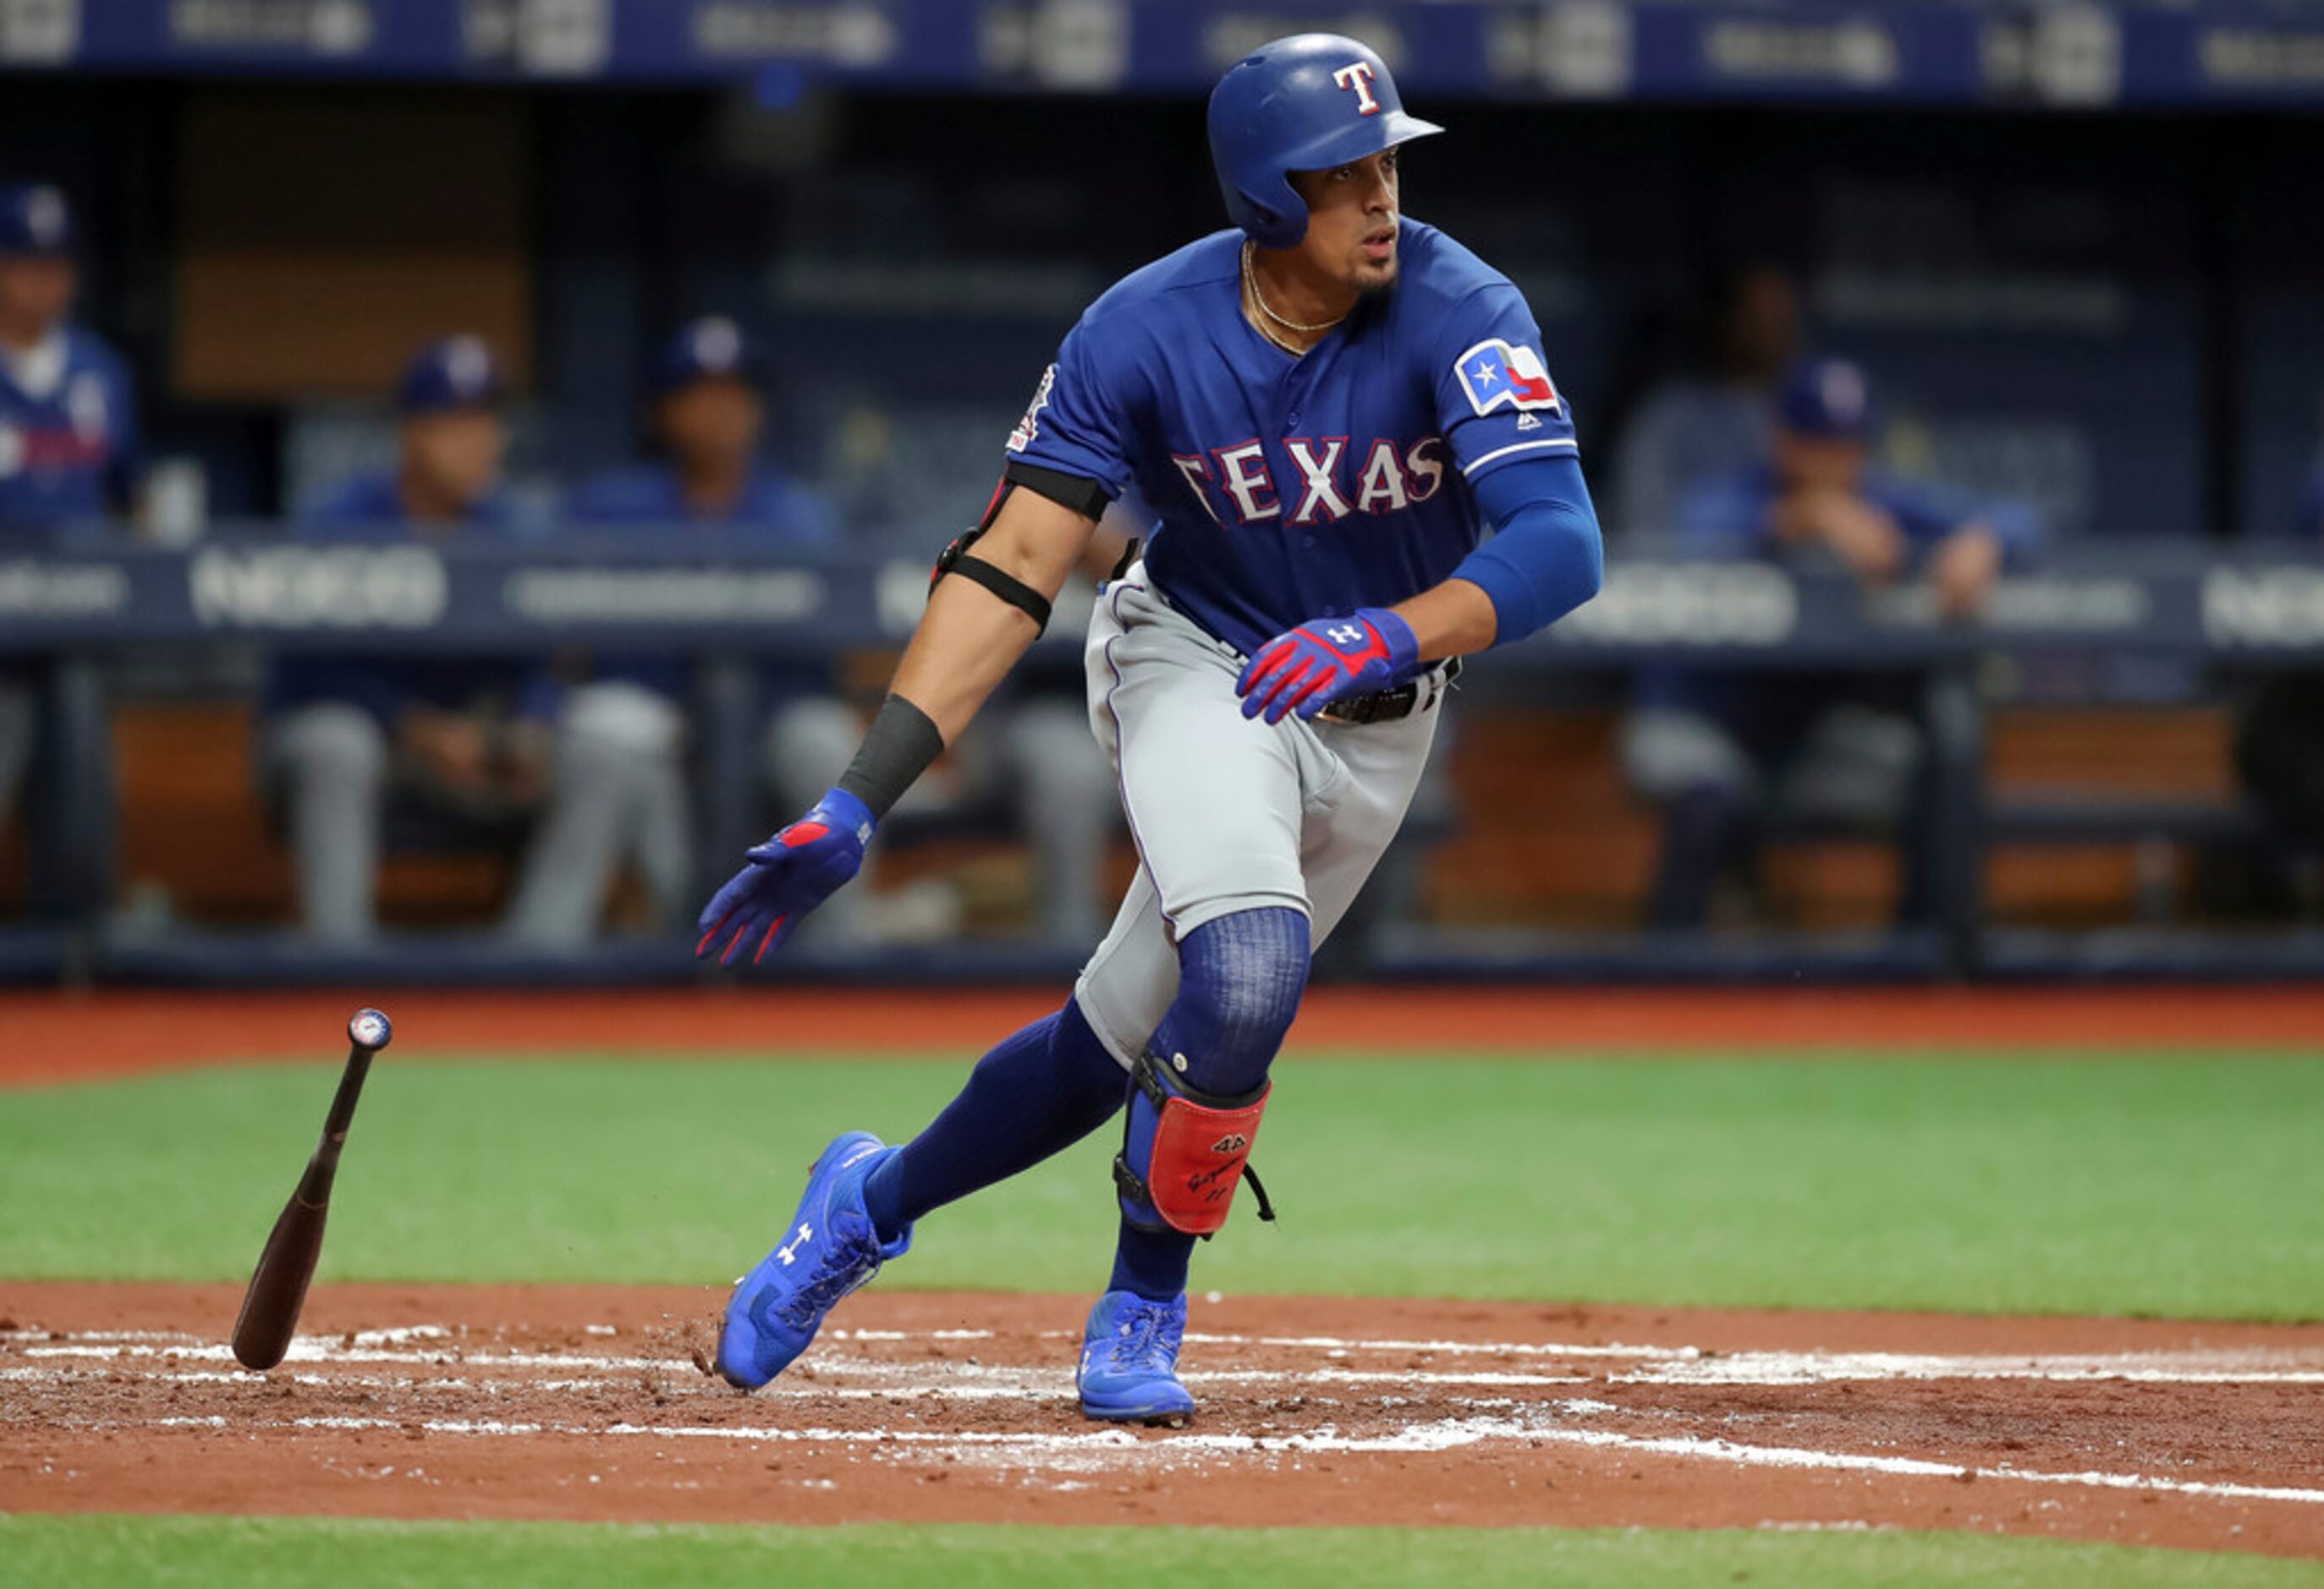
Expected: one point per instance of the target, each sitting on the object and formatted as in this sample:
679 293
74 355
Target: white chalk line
391 1338
1808 1368
326 1349
1445 1434
967 1383
1334 1344
1787 1456
315 1350
1675 1367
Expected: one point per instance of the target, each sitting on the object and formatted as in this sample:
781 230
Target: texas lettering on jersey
1331 486
1290 488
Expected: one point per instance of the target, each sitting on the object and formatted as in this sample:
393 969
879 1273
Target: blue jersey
370 507
1730 514
651 493
68 431
1772 714
1294 488
367 508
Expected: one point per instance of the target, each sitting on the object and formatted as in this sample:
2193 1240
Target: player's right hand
785 878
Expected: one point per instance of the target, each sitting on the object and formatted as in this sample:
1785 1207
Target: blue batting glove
1306 669
788 875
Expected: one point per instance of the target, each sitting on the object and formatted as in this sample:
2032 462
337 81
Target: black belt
1391 706
1382 705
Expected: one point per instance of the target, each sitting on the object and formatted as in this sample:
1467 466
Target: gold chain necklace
1276 338
1251 282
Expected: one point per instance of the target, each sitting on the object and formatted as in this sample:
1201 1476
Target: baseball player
705 419
470 737
1720 750
68 426
1327 407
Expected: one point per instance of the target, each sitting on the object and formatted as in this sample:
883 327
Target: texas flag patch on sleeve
1497 374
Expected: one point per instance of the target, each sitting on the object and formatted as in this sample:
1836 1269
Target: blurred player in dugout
67 427
1714 420
1724 752
706 420
485 745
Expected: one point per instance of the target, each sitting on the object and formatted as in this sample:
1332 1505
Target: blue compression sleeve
1546 557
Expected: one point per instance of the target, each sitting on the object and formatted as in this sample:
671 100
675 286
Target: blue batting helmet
443 377
1306 103
35 222
1827 398
709 349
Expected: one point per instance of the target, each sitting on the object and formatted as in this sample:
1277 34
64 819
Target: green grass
260 1552
2176 1185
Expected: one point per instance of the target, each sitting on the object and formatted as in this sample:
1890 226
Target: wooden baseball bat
278 1285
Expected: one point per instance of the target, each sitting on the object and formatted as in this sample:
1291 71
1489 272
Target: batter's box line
1452 1435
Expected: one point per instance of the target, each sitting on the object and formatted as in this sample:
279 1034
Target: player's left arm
1546 558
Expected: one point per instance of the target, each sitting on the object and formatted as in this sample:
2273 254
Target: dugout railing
2183 610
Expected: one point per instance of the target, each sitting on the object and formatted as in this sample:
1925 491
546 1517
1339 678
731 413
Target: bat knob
370 1029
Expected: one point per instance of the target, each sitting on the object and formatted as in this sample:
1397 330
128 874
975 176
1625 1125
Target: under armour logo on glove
788 876
1306 669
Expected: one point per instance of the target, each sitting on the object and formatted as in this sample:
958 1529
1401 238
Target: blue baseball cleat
1129 1361
829 1251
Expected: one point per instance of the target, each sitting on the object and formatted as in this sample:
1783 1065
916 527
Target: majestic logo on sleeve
1029 426
1495 373
1358 79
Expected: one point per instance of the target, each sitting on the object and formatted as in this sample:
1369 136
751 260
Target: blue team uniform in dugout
367 510
68 431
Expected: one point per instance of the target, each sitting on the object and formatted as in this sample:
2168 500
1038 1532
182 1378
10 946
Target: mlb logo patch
1496 372
1029 428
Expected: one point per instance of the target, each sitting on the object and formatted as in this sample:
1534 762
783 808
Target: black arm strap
1001 583
1086 497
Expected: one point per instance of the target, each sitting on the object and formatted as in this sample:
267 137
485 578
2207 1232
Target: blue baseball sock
1042 1090
1240 980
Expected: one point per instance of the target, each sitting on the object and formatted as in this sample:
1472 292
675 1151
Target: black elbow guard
1086 497
954 560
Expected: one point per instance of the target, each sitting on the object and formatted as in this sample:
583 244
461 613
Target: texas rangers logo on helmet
1494 373
1357 79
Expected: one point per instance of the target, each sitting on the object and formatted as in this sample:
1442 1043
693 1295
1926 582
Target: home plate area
593 1402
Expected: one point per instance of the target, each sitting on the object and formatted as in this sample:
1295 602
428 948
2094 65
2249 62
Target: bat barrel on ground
278 1285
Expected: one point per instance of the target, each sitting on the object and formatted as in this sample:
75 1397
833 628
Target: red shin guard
1184 1152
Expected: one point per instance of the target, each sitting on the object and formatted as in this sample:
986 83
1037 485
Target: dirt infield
588 1403
55 1037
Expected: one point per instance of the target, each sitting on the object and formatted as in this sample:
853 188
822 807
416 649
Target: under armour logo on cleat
788 1251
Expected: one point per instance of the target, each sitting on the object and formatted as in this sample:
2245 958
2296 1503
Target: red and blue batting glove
1306 669
788 875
